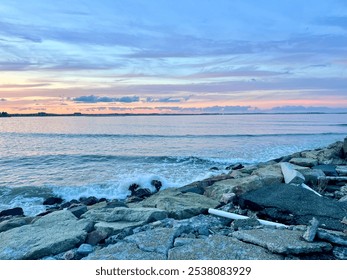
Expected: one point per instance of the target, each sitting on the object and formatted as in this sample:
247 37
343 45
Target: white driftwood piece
240 217
308 188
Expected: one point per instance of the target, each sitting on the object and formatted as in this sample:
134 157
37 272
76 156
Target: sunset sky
182 56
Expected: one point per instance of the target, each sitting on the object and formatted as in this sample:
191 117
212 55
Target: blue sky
150 56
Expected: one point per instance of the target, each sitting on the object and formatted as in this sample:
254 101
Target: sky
165 56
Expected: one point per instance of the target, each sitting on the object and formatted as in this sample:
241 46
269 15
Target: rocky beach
304 195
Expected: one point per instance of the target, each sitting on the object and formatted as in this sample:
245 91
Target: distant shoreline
158 114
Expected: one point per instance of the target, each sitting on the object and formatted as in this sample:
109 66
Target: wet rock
291 176
344 147
180 205
314 177
49 235
219 247
328 169
311 230
335 237
157 184
78 211
294 205
13 223
237 186
123 251
158 240
91 200
306 162
17 211
52 201
340 253
214 168
281 241
133 188
142 193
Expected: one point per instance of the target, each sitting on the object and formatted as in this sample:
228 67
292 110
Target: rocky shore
305 194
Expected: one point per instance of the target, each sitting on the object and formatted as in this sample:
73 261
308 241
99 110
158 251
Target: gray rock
335 237
281 241
291 176
311 230
341 170
314 177
328 169
123 251
294 205
13 223
85 249
245 223
340 253
17 211
112 228
79 210
331 155
218 247
344 147
158 240
180 205
306 162
181 241
69 255
96 236
270 174
49 235
237 186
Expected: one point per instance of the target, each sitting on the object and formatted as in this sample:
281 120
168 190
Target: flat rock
295 205
333 154
306 162
314 177
328 169
158 240
180 205
52 234
270 174
237 186
13 223
123 251
218 247
341 170
335 237
112 228
281 241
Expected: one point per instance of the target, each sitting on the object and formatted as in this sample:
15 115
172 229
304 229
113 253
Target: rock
157 184
214 168
180 205
306 162
85 249
96 236
311 230
245 224
294 205
69 255
91 200
218 247
13 223
328 169
49 235
158 240
123 251
227 198
281 241
270 174
314 177
142 193
344 148
236 166
133 188
78 211
291 176
340 253
333 154
115 203
335 237
52 200
341 170
237 186
343 199
17 211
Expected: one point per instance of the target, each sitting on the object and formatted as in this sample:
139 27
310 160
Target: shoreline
175 223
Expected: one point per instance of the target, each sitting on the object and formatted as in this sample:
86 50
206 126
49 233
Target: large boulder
333 154
294 205
52 234
282 241
270 174
180 205
237 186
218 247
13 223
306 162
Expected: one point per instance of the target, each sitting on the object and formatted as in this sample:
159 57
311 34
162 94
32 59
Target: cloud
166 99
303 109
3 99
105 99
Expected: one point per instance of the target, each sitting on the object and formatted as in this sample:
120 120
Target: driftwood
240 217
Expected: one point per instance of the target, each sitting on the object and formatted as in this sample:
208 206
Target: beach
293 207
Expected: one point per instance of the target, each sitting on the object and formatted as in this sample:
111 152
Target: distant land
43 114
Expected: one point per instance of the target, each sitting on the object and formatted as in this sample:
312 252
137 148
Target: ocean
72 157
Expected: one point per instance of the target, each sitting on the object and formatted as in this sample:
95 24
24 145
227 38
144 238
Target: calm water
101 156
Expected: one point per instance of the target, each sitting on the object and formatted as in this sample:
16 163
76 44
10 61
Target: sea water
72 157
